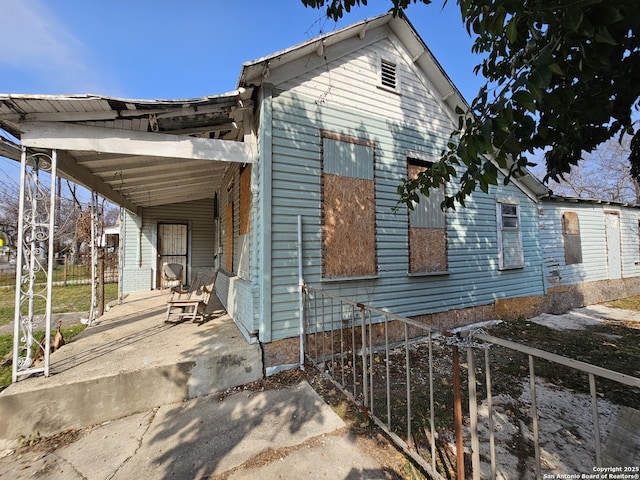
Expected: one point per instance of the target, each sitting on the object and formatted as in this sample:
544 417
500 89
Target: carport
134 153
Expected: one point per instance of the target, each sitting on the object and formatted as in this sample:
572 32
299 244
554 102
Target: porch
131 360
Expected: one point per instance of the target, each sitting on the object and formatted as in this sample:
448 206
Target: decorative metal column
34 265
95 238
120 259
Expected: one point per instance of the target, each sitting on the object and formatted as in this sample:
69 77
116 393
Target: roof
563 199
131 180
255 72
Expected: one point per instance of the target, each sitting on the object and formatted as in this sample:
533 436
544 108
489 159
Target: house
340 121
591 251
318 135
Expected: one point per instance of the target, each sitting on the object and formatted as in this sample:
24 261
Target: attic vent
388 74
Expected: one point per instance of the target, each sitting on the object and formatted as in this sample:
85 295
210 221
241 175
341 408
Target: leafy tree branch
562 76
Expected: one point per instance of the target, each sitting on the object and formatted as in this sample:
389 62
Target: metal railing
405 376
66 272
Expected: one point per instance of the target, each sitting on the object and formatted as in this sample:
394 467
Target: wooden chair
191 304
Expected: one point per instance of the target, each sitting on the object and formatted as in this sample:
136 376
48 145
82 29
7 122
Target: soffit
139 179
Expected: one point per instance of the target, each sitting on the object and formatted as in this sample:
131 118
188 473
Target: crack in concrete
67 462
151 417
270 455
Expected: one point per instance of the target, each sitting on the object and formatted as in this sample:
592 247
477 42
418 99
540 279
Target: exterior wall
238 289
591 216
343 98
140 236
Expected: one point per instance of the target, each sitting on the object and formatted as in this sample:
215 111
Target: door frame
159 256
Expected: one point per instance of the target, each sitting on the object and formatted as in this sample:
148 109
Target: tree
586 180
561 76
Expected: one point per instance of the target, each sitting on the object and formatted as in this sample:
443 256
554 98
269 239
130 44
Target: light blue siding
427 212
347 159
140 234
474 277
593 239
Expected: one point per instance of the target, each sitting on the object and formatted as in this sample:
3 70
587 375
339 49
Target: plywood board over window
349 223
245 198
571 238
427 228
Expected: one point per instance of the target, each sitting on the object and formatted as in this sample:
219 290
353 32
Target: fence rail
67 272
408 380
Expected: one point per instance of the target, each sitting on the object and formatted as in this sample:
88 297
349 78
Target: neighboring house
591 251
325 130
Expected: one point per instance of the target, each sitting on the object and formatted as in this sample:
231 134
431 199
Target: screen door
172 247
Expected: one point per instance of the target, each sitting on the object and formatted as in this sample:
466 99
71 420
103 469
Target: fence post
64 271
457 413
365 375
473 416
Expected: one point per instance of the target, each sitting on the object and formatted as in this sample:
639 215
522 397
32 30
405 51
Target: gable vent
389 74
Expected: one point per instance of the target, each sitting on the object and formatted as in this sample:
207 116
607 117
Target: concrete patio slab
129 362
289 433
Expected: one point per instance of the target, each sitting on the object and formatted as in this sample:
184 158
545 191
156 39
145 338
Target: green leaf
573 18
604 36
512 30
524 99
555 68
541 77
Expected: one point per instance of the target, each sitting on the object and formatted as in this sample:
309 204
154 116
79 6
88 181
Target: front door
612 231
172 247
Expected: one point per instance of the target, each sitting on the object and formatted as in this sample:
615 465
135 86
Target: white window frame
502 229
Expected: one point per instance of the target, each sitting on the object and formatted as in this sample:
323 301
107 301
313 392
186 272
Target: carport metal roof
136 153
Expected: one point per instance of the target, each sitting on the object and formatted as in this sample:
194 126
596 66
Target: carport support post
35 227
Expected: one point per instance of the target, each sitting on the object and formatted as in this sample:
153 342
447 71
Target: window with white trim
510 252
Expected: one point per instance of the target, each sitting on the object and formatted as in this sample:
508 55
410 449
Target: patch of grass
611 346
630 303
72 298
6 346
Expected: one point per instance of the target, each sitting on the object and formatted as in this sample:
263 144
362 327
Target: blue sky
161 49
171 49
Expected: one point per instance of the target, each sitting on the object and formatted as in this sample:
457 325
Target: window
510 254
348 223
427 228
571 238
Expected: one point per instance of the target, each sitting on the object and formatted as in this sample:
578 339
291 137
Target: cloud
36 45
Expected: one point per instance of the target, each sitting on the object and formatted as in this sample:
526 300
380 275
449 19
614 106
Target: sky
169 49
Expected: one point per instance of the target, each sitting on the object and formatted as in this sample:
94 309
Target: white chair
171 275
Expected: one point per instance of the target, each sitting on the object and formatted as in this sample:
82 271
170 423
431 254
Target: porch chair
191 304
171 275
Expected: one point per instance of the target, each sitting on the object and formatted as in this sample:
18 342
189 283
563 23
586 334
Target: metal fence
408 379
67 272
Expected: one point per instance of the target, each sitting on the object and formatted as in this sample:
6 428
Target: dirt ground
564 405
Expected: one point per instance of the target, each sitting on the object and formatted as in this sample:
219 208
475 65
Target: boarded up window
245 199
349 223
510 253
229 238
427 228
571 238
